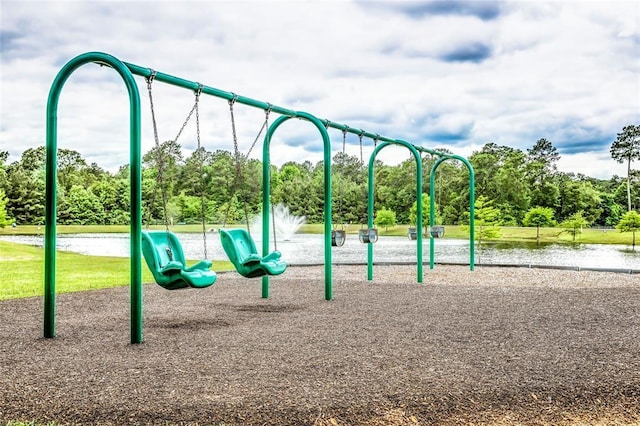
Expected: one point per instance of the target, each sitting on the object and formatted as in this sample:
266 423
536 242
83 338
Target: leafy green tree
449 176
486 164
165 160
539 216
4 218
395 188
220 178
113 194
626 147
33 159
189 208
3 173
513 193
543 156
487 219
456 212
300 188
70 164
80 206
578 196
194 178
611 211
500 175
630 222
25 194
541 170
385 218
349 166
426 211
574 224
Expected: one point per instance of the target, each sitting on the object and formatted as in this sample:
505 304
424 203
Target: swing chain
344 138
193 108
360 138
159 164
150 79
240 158
265 124
340 194
201 170
236 151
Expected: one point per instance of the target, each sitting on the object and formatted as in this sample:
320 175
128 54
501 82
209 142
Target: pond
309 249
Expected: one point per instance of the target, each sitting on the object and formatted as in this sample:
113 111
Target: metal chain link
201 170
340 194
241 159
360 138
186 121
160 165
157 140
265 125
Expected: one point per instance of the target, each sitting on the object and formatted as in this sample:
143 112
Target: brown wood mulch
493 346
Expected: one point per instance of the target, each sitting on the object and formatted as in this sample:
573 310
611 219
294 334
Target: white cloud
567 71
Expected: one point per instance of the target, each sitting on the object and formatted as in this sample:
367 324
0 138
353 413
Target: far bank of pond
507 234
309 249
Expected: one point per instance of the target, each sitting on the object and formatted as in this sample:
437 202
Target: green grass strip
22 270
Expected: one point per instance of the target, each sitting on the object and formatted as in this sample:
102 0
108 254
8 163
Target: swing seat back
242 252
163 254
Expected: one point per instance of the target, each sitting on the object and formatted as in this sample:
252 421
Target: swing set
161 249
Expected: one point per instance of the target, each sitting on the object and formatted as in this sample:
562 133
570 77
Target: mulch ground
493 346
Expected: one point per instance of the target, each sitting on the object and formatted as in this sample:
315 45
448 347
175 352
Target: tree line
226 188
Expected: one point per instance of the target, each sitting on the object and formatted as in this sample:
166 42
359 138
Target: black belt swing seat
165 258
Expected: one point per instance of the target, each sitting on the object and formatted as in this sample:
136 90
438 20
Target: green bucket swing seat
242 252
165 258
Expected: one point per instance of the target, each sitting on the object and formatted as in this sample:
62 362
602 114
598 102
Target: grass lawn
22 269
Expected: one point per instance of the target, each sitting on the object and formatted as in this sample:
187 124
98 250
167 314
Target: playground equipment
240 160
127 72
238 243
242 252
165 258
162 251
339 236
412 233
436 231
439 231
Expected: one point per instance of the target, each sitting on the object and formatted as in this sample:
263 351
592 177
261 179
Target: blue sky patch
475 52
484 10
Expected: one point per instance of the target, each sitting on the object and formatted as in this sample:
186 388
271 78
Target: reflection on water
309 249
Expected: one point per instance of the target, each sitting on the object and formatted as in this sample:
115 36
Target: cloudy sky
443 74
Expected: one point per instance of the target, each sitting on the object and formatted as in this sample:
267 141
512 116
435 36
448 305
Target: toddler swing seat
242 252
165 258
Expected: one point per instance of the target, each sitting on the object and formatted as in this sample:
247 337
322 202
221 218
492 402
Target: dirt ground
499 346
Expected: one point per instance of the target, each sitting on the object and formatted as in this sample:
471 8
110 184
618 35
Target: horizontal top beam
230 96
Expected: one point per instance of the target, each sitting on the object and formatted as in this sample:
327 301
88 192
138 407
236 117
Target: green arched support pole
472 214
370 202
266 198
51 191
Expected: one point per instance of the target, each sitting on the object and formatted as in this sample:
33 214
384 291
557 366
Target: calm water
309 249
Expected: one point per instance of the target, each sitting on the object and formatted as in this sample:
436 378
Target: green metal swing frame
127 72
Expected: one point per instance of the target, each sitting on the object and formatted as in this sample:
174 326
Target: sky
439 74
